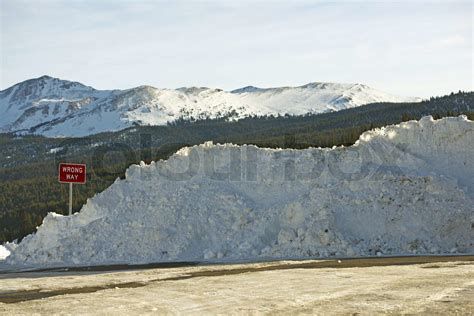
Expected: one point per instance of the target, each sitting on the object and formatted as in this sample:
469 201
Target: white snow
6 249
54 107
55 150
402 189
4 252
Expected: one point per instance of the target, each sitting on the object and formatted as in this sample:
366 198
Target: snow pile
4 252
403 189
6 249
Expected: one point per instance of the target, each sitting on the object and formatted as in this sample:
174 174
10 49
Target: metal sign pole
70 198
72 173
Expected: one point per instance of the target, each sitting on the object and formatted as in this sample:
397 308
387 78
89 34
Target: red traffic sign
72 173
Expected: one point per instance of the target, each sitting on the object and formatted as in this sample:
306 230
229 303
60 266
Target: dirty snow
402 189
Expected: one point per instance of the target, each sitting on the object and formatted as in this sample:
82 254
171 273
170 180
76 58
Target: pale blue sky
418 48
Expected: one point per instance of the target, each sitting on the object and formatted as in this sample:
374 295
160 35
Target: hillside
54 107
28 164
402 189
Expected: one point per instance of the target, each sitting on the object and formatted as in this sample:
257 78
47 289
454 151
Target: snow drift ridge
402 189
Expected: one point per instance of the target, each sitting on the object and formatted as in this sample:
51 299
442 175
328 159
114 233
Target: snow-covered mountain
55 107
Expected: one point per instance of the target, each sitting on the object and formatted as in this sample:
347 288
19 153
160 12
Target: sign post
72 173
70 198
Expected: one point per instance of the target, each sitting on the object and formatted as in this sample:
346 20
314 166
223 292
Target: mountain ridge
54 107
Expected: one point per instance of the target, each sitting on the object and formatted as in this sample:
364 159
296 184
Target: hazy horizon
409 49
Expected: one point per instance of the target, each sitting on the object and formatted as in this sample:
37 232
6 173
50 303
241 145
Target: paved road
426 285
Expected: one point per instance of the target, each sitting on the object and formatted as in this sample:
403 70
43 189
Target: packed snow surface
54 107
402 189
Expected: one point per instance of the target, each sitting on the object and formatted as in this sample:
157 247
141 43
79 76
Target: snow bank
4 252
403 189
6 249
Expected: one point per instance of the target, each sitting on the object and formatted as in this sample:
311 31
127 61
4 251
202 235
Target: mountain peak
29 92
44 77
48 82
311 85
52 106
247 89
192 90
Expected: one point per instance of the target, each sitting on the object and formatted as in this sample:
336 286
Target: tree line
28 164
